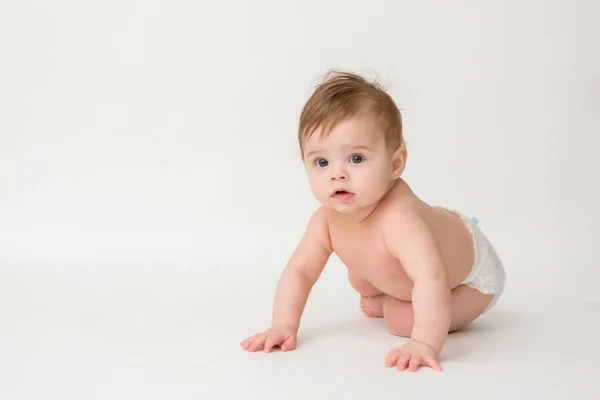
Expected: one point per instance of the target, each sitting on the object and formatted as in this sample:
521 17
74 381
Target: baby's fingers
289 344
414 363
246 342
402 363
432 362
392 357
273 339
257 343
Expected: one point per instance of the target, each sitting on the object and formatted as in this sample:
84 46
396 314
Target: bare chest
365 254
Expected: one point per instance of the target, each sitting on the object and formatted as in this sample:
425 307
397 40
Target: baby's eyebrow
351 147
310 153
361 147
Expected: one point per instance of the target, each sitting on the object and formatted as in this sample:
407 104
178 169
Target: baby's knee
398 316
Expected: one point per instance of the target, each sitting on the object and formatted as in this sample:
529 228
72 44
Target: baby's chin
344 208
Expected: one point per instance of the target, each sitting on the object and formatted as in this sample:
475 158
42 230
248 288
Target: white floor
173 332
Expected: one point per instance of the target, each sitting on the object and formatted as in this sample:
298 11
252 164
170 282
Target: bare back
360 246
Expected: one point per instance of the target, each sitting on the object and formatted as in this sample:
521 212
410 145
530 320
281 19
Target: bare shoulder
314 249
317 230
404 216
403 209
401 203
406 229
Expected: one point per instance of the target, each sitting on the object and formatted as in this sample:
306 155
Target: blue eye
356 159
321 162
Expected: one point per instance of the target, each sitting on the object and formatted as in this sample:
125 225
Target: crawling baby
427 270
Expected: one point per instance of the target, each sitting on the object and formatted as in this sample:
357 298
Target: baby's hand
413 354
284 337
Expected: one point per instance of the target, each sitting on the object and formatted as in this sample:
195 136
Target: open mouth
341 194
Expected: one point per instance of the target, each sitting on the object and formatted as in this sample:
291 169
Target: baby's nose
338 176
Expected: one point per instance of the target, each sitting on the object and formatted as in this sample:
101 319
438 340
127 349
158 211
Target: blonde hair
342 95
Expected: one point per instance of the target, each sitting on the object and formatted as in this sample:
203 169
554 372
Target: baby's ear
399 161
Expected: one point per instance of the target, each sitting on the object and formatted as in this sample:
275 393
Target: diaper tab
475 220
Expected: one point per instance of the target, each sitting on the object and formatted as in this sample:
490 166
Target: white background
148 156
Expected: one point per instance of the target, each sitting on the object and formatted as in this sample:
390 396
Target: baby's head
350 136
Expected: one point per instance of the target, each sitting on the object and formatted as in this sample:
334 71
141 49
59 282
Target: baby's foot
372 306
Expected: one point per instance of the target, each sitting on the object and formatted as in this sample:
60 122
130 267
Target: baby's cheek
375 186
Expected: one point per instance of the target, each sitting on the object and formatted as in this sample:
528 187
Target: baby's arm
409 238
299 276
302 272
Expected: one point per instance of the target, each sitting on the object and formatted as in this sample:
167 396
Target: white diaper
488 274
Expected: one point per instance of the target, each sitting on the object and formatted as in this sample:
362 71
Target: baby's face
352 167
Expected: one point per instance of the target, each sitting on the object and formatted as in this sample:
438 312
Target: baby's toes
364 306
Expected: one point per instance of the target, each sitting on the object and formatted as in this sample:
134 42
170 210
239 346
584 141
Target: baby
426 270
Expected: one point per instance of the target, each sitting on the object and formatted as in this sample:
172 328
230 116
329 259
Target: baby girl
426 270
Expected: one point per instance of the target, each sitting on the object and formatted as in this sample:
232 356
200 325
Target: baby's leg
370 297
362 286
467 305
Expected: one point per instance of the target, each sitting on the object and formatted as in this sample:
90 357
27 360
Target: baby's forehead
345 138
358 131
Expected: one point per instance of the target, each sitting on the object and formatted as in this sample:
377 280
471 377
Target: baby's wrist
285 326
426 345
